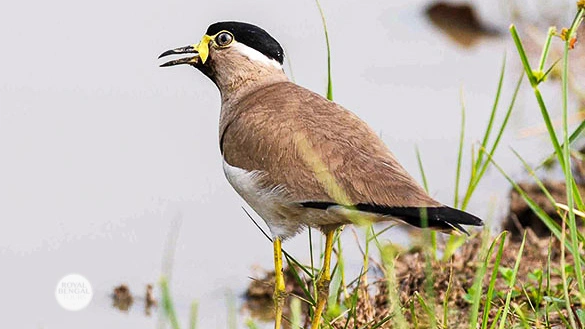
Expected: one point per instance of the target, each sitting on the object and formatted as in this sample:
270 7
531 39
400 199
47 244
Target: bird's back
315 149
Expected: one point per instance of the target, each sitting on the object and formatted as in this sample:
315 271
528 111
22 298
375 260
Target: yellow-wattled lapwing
298 159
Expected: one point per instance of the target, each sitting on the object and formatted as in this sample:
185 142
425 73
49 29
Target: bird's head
230 52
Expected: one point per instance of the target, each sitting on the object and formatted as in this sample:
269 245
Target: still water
101 151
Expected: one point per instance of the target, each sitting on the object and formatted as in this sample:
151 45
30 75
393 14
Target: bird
298 159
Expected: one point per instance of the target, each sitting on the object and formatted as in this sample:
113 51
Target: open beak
191 49
201 51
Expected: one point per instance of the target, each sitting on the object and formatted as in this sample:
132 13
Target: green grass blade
459 152
422 170
379 324
576 133
546 48
413 317
251 324
375 236
537 180
341 264
369 233
564 279
167 303
549 127
503 126
548 287
520 315
523 57
478 175
388 257
563 318
429 285
452 245
329 80
290 261
426 187
488 130
550 69
497 318
353 301
566 155
333 306
512 283
296 313
485 253
428 309
446 298
194 315
534 82
492 284
577 195
477 163
312 274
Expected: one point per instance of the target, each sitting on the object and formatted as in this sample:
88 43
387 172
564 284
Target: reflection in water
150 301
258 297
460 22
122 299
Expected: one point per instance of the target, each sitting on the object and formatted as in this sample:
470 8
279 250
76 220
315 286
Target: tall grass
562 152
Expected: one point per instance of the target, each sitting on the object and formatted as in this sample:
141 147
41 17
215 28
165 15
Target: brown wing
317 150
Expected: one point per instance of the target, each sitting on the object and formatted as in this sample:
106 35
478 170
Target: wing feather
317 150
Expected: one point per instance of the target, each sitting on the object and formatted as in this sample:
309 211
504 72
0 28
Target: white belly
270 204
286 217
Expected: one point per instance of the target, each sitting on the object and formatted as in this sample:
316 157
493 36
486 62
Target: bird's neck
235 84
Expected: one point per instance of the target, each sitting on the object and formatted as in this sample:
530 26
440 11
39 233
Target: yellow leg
279 288
323 281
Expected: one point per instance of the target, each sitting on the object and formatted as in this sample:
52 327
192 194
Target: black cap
252 36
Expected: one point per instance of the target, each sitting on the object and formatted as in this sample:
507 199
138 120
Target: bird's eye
223 39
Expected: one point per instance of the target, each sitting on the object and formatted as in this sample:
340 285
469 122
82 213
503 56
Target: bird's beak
201 51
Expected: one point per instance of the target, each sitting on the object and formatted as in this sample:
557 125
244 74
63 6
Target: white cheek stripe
255 56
